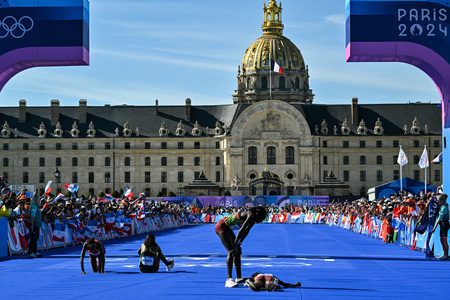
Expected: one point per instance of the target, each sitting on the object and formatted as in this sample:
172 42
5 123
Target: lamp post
58 179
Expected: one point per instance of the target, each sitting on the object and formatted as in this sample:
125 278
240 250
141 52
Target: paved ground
331 263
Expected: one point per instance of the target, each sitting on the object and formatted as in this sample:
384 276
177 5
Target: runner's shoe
271 285
432 258
251 285
239 280
38 254
230 283
32 255
170 265
443 257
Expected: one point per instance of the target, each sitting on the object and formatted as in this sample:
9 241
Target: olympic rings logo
17 29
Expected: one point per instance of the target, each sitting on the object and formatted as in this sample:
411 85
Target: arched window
271 155
107 161
127 161
282 83
147 192
362 191
108 191
297 83
147 161
74 161
196 161
264 83
217 160
252 156
249 83
290 155
379 160
416 159
92 191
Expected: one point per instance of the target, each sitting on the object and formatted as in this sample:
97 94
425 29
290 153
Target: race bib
147 260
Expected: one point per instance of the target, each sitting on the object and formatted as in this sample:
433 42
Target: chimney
54 112
355 119
188 109
22 111
83 111
156 107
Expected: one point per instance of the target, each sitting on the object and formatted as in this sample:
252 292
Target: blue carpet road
331 263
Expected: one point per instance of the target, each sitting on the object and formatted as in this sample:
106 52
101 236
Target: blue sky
170 50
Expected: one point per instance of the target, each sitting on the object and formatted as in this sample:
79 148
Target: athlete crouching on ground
266 282
150 256
246 220
96 250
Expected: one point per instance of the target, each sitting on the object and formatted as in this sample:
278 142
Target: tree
115 194
171 194
102 195
227 193
120 193
160 194
68 195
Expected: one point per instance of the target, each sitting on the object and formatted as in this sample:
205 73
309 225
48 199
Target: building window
74 177
395 144
437 143
379 160
25 146
107 145
91 177
196 175
107 161
74 146
264 83
417 175
217 176
196 145
282 83
147 145
163 145
180 161
437 175
42 162
345 144
25 177
217 160
58 162
5 177
362 176
346 175
290 155
180 192
196 161
325 160
41 146
127 177
416 159
127 145
91 162
362 144
58 146
362 160
147 177
271 156
180 177
6 162
147 162
127 161
163 161
91 191
217 145
164 191
345 160
379 175
74 161
379 144
394 159
5 146
25 162
180 145
325 174
252 156
91 146
147 192
107 177
324 144
416 144
396 174
163 176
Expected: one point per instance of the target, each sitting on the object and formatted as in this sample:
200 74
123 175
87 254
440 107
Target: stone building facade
164 148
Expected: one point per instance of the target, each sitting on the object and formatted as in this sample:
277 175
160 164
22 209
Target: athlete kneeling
150 256
96 250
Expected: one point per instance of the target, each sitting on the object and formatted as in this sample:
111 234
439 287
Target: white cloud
336 19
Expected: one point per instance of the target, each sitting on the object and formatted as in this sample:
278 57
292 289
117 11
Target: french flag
127 226
276 67
437 159
48 189
59 233
60 196
109 197
73 188
128 193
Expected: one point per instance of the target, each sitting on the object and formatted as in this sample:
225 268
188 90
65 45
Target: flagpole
270 82
401 176
426 166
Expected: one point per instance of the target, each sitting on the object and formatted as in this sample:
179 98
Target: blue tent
410 185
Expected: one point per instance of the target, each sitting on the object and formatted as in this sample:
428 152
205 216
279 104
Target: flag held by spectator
423 162
48 189
402 158
437 159
109 197
276 67
73 188
59 197
128 193
59 232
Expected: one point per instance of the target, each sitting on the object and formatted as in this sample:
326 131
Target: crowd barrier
71 232
287 218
